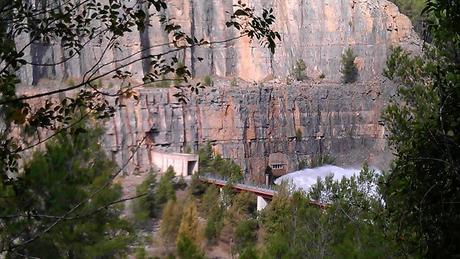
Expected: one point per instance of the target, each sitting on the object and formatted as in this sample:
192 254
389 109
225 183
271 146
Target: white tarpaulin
305 178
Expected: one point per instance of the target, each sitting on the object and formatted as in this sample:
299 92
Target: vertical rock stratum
312 30
253 122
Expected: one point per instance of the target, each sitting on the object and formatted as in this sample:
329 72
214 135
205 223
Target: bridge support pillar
221 194
261 203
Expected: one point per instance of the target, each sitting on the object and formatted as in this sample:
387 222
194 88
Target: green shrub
298 134
146 207
70 81
303 163
141 253
162 82
323 159
322 76
214 224
207 80
349 70
298 70
188 149
246 234
234 82
97 83
249 253
165 190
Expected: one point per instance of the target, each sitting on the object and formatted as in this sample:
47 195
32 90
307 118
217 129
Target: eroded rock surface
312 30
249 123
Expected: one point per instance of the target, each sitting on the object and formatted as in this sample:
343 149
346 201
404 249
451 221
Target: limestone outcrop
312 30
249 123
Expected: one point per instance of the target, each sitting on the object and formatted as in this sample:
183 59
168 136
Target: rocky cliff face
253 123
315 31
250 123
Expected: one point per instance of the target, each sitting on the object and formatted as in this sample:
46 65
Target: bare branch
23 98
57 132
106 206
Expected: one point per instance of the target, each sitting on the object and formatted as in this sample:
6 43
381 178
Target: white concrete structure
183 164
261 203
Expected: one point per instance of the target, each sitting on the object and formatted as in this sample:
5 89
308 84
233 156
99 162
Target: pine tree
196 187
423 124
211 208
146 207
226 168
245 235
298 70
214 224
349 70
170 222
189 225
352 225
70 169
165 190
210 200
187 249
205 154
216 164
189 236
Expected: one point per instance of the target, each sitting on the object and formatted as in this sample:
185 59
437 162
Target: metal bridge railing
241 184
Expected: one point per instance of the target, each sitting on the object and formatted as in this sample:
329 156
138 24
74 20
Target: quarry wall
250 121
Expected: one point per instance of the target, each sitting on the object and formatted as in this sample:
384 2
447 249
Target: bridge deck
260 190
266 193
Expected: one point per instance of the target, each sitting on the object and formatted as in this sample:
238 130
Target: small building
183 164
278 163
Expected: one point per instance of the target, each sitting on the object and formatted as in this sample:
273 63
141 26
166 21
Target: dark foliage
71 170
349 70
422 191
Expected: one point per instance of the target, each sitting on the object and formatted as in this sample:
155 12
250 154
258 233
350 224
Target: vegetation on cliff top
349 70
413 9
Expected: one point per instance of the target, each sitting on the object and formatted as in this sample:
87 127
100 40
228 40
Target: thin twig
106 206
54 134
23 98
